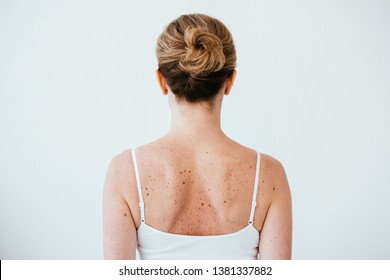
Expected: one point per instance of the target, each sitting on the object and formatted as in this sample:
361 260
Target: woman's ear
162 82
230 82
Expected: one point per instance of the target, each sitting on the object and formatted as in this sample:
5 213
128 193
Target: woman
195 193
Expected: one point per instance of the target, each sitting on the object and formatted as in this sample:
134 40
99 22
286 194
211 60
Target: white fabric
141 199
255 187
155 244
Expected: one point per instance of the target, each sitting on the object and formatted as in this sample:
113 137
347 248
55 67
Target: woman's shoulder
272 165
119 171
121 161
274 177
272 169
121 157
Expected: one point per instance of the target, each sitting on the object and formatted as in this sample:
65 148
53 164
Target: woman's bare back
199 189
204 189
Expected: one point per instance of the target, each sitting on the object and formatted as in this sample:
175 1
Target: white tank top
154 244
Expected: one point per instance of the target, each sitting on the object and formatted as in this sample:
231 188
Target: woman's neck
196 122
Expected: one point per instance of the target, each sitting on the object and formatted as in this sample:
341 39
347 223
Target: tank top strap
255 187
141 200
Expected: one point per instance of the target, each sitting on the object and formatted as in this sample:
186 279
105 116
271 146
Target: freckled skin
178 208
223 182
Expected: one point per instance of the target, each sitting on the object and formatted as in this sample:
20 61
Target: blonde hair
196 54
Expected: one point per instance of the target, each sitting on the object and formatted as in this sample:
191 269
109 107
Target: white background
77 87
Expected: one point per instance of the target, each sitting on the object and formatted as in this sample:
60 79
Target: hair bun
203 52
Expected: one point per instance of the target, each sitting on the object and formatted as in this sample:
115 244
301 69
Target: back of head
196 54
